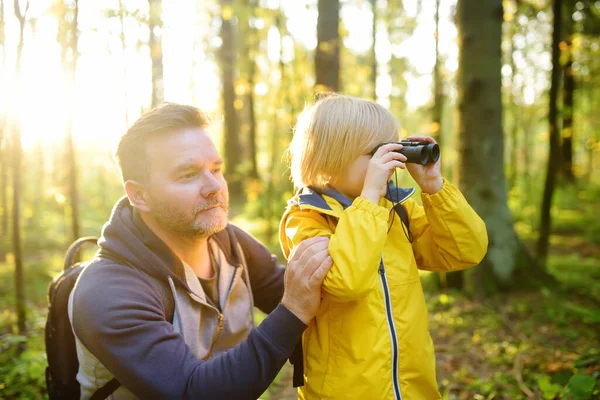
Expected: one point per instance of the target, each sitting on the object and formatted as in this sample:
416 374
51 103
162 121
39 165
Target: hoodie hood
127 239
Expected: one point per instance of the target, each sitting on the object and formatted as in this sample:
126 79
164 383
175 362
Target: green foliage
22 372
579 387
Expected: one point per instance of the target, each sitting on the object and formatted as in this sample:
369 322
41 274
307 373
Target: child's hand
428 177
380 169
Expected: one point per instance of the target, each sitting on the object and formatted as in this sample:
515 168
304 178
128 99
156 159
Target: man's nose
211 185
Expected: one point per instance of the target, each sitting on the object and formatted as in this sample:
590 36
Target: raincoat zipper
392 328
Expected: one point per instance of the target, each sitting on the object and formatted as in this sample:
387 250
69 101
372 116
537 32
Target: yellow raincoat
370 339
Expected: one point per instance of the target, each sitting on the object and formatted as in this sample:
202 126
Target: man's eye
216 170
189 175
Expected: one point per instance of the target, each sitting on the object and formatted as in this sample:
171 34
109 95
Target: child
370 339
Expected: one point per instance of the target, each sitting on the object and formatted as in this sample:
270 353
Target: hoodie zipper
392 329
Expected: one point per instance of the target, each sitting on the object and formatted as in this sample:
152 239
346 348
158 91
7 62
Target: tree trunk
122 11
3 144
438 97
252 123
155 44
513 149
38 185
17 153
554 155
227 57
568 94
251 49
373 52
480 163
274 150
71 159
327 57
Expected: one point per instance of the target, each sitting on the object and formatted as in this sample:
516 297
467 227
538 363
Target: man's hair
332 133
131 154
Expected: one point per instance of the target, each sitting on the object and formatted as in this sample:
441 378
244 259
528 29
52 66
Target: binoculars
416 152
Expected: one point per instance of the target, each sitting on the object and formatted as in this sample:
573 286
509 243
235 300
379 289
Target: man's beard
196 225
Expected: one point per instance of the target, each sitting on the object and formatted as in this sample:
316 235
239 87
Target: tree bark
71 159
155 44
513 149
480 164
251 49
124 48
327 57
373 52
17 153
4 187
438 96
227 56
568 95
252 123
554 139
3 143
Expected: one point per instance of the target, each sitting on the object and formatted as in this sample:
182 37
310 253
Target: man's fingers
304 251
304 245
314 261
319 274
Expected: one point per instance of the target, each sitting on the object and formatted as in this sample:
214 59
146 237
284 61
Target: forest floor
538 344
528 345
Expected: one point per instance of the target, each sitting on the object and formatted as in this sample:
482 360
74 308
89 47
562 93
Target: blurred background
511 90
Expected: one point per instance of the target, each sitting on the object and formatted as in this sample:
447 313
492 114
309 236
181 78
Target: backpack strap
106 390
74 248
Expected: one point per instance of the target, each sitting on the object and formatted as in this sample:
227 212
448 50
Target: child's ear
137 194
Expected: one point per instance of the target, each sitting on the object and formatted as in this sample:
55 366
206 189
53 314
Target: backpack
61 372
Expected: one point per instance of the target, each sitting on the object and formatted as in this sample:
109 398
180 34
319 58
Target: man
165 310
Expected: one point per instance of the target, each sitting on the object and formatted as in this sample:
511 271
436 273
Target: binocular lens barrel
417 152
421 154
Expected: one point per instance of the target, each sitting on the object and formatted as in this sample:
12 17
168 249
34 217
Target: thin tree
70 63
250 44
554 138
227 58
122 14
481 168
568 96
516 120
327 57
3 142
438 96
373 52
156 54
17 153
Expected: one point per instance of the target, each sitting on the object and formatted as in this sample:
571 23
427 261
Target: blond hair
332 133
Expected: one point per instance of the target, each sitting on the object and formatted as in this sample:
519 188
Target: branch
517 370
17 7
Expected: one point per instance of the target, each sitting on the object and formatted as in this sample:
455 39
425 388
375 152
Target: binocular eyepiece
416 152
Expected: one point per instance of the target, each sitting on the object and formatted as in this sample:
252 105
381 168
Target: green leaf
580 387
549 389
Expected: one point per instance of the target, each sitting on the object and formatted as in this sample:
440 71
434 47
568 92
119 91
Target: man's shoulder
103 280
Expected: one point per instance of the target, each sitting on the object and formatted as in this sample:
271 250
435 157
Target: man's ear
137 194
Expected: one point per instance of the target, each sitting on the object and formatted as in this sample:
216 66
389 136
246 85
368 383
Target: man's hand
428 177
306 269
